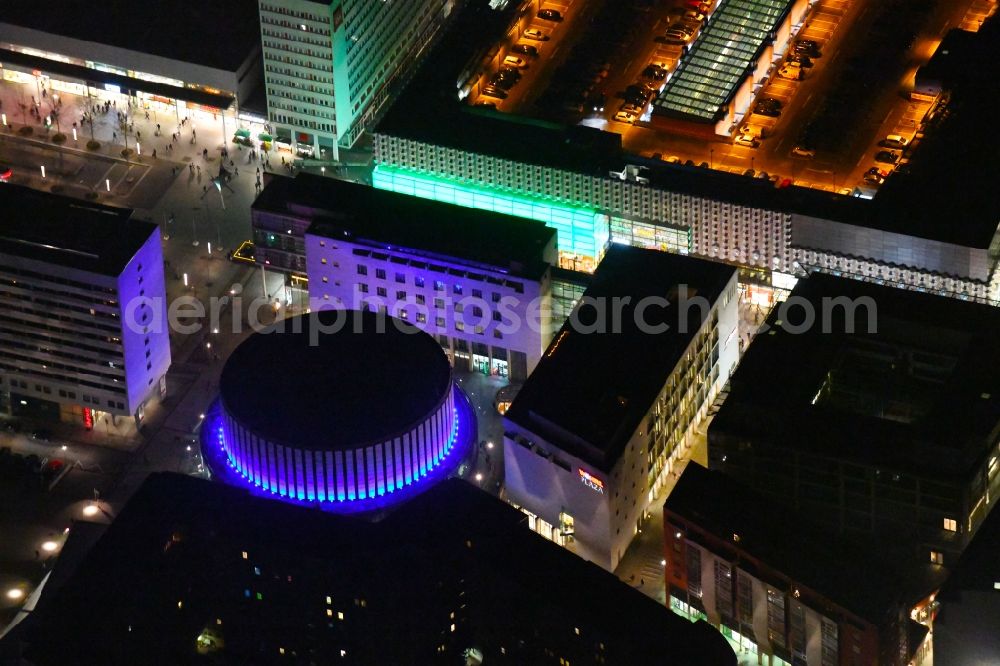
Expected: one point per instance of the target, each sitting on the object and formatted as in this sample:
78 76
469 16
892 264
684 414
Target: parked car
625 117
654 72
495 91
525 49
894 141
694 15
791 70
638 95
807 47
875 176
597 102
768 106
514 61
803 151
677 36
550 14
535 34
886 157
747 140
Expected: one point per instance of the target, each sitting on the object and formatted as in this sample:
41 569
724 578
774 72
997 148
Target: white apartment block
83 328
591 438
479 282
330 66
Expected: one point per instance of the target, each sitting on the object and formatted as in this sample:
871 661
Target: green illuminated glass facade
581 230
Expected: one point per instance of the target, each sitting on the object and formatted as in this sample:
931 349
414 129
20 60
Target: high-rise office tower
330 65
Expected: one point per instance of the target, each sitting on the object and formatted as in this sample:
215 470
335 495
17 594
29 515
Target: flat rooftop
848 572
220 34
591 390
362 214
921 393
708 77
59 230
358 378
187 556
944 194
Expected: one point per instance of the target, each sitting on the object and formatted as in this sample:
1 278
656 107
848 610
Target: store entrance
500 368
481 364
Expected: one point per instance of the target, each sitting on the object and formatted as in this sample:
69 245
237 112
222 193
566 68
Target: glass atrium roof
718 60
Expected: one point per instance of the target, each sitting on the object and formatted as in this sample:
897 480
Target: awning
263 136
95 77
242 132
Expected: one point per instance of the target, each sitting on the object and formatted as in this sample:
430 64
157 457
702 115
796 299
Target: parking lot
818 124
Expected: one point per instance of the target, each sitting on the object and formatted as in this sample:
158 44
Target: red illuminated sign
88 418
591 481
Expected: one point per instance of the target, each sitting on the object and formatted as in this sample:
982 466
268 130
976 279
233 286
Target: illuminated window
244 554
951 524
937 557
340 615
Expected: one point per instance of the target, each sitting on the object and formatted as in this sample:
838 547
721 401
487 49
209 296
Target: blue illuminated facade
365 479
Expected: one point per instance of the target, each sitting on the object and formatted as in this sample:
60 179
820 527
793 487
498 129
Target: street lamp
479 476
50 546
91 510
15 594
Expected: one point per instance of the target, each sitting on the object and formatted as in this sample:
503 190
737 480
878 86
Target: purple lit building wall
145 333
348 473
451 299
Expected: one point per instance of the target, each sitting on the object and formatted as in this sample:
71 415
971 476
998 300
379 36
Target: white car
514 61
748 140
536 34
625 117
894 141
802 151
791 70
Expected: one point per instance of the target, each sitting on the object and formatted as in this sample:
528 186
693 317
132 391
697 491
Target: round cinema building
350 410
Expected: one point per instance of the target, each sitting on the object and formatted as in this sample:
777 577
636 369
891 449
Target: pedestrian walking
191 168
138 136
157 127
114 136
204 153
237 171
204 189
199 169
154 153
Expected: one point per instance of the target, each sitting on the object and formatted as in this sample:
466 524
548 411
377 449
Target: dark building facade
778 586
894 432
194 569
